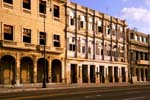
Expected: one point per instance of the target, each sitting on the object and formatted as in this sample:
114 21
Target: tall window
132 36
27 4
42 38
56 11
42 6
71 21
8 32
100 29
56 40
8 1
27 35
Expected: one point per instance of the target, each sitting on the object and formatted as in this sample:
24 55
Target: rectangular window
89 50
27 35
8 32
81 24
56 40
83 49
72 21
8 1
27 4
56 11
42 6
100 29
72 47
42 38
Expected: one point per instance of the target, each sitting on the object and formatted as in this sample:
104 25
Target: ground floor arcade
95 72
28 68
140 73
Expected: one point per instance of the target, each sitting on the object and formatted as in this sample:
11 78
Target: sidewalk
67 86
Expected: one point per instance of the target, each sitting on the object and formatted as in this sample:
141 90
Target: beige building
96 46
138 53
72 43
24 25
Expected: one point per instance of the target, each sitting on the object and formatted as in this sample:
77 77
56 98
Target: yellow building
96 46
26 28
138 56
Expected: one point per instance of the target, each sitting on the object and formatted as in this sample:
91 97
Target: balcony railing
143 62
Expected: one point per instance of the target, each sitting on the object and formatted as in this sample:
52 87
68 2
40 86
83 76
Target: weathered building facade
72 43
26 28
96 46
138 56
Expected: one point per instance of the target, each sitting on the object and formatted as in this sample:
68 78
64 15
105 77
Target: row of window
138 38
72 47
9 34
42 6
99 28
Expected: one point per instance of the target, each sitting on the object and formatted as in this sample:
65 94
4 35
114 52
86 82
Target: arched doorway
7 69
56 71
40 70
26 70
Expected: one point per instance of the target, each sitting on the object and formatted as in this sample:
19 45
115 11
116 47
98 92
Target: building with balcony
96 46
27 28
138 56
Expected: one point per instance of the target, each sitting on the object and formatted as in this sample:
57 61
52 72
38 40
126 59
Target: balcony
18 45
50 49
6 43
143 62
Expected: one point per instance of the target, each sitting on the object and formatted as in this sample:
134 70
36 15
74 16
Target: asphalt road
109 93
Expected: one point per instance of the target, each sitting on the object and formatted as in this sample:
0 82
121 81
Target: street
95 93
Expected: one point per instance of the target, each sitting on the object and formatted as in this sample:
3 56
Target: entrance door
85 73
92 74
73 73
116 74
110 74
102 77
123 74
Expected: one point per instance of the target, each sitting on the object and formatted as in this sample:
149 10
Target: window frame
56 11
9 33
26 5
27 34
56 40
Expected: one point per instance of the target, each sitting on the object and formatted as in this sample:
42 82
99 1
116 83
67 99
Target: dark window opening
42 38
72 21
132 36
100 29
83 49
102 53
56 41
81 24
8 32
8 1
72 47
42 7
27 4
56 11
26 35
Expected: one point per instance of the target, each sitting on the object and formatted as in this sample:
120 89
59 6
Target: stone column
63 71
35 69
18 69
97 76
106 74
139 74
144 75
68 73
80 74
89 78
49 69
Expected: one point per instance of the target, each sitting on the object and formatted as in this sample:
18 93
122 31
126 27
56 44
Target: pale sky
135 12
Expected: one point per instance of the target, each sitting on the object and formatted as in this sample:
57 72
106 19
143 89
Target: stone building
96 46
138 56
26 28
